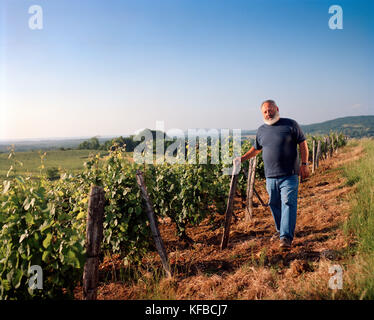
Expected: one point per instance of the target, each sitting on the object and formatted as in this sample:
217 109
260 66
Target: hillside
353 127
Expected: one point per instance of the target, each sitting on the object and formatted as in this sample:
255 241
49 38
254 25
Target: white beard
274 120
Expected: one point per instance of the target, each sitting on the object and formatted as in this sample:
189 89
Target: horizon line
127 135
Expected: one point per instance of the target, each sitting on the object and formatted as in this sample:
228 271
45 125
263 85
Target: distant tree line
350 132
94 144
129 142
91 144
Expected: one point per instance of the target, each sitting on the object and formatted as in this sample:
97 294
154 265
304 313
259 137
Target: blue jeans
283 203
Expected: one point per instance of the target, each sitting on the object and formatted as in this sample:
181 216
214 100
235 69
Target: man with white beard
278 139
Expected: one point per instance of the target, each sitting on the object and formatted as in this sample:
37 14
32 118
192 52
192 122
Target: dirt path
252 267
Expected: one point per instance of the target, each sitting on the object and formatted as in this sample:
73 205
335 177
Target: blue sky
112 67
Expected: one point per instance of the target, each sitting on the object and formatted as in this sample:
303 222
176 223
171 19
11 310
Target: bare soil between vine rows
252 266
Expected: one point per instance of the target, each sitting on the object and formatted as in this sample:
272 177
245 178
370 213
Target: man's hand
304 172
236 162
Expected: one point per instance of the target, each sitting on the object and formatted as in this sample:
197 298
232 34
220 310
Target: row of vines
43 222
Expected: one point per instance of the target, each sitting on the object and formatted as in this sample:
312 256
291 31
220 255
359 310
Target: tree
92 144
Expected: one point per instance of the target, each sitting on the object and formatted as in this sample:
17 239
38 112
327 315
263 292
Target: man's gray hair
272 102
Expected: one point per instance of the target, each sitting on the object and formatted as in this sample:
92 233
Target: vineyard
43 222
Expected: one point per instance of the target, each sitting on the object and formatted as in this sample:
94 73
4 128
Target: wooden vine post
328 147
229 208
94 236
314 156
259 198
318 153
250 188
254 190
324 148
153 223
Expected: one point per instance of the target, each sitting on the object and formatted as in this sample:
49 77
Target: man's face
269 111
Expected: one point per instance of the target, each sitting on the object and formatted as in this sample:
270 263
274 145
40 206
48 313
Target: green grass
360 224
70 161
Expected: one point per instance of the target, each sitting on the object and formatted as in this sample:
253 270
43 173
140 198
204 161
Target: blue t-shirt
279 147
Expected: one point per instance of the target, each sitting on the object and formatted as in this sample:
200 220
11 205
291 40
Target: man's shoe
285 244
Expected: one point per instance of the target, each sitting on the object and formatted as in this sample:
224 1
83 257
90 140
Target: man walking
278 139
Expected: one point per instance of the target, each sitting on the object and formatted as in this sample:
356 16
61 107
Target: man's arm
250 154
304 169
304 151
